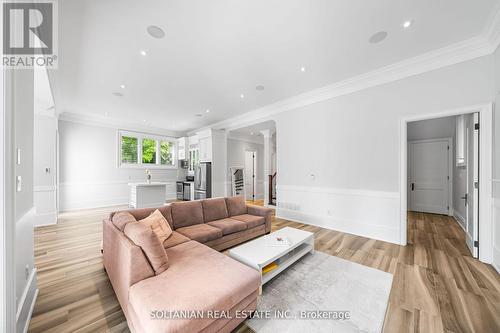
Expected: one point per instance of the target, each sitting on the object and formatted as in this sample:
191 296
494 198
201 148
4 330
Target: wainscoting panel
101 194
373 214
45 199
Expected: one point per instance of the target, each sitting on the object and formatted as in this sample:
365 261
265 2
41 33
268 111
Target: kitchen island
144 194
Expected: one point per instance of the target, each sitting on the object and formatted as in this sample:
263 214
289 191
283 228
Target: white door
250 174
429 176
472 196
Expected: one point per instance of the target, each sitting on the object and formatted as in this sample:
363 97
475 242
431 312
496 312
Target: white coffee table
261 251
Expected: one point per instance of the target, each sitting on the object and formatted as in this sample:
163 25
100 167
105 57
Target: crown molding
482 45
102 121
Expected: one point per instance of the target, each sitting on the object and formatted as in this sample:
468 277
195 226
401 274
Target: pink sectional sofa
198 277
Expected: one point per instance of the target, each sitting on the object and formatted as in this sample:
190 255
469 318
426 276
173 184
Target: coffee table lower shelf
286 260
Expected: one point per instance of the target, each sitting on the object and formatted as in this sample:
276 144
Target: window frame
140 136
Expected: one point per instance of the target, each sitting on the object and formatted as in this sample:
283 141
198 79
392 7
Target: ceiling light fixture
122 86
242 96
143 53
155 31
302 69
378 37
251 133
208 110
407 24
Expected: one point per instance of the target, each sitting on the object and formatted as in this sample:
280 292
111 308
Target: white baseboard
460 219
496 258
372 214
27 303
45 219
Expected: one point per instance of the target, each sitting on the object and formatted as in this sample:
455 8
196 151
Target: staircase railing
272 189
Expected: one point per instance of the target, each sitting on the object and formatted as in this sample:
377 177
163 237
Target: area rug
318 293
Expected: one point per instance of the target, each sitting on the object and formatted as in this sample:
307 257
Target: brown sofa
198 278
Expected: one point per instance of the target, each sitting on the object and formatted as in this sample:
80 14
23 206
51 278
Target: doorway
250 174
471 160
430 176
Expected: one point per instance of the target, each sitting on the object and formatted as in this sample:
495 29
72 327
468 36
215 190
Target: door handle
465 197
413 186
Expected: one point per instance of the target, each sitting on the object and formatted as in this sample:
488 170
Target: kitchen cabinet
143 195
206 149
182 148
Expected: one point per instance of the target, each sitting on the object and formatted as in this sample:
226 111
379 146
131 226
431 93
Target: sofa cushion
228 226
251 221
198 279
175 239
186 213
144 237
158 224
236 205
214 209
120 219
200 232
142 213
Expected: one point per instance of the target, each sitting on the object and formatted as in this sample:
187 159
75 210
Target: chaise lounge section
197 277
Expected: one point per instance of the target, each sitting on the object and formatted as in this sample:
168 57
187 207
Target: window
138 150
129 150
148 151
166 153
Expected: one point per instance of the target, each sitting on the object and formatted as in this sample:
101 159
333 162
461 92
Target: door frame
485 172
450 168
254 151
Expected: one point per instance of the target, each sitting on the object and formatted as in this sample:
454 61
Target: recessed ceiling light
207 111
251 133
378 37
407 24
144 120
198 115
302 69
259 87
122 86
242 96
117 94
106 113
155 31
143 53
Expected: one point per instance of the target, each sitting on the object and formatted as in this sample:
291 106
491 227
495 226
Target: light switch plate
19 183
18 160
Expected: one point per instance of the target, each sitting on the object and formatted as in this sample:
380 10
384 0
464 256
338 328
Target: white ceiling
216 50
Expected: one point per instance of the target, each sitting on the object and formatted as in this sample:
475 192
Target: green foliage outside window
166 153
129 149
148 151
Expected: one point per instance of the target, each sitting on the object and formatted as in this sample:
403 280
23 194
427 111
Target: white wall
496 164
339 159
89 176
25 273
236 158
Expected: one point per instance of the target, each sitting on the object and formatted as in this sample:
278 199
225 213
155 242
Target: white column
267 162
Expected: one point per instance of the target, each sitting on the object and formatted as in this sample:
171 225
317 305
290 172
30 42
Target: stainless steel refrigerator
203 181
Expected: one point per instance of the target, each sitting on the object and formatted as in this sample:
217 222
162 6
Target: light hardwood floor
437 287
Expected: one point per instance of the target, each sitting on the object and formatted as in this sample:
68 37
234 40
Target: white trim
245 140
496 242
339 209
49 188
450 168
140 136
116 123
22 300
460 220
115 182
485 173
484 44
340 191
30 312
